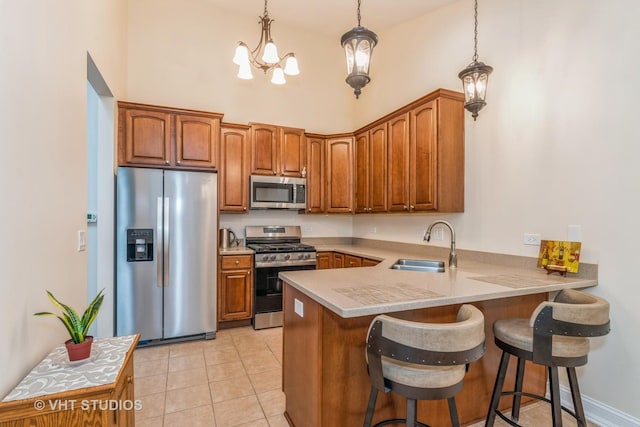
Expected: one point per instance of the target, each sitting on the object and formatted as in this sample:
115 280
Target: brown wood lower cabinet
330 259
235 287
325 376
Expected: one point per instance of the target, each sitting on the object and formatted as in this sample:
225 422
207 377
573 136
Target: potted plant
79 346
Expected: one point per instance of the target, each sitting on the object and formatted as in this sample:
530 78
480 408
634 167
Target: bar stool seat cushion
519 334
422 376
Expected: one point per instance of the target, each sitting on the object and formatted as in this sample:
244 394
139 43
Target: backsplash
312 225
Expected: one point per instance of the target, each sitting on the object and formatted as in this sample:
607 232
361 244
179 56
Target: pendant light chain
265 8
475 35
358 13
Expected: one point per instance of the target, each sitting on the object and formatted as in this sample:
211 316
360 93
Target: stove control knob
307 256
272 257
265 257
300 256
286 257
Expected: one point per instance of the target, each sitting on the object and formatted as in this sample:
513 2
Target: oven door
268 287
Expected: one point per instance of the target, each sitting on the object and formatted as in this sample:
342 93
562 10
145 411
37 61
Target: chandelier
265 56
475 77
358 44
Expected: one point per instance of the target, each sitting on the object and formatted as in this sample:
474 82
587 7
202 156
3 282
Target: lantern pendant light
475 77
265 56
358 45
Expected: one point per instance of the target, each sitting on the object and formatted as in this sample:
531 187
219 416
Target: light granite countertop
361 291
235 250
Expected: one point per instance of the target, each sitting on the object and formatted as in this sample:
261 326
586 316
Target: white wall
44 48
557 144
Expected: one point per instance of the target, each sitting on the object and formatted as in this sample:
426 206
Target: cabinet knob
309 209
249 273
404 207
412 207
178 162
244 208
274 172
166 162
237 262
129 379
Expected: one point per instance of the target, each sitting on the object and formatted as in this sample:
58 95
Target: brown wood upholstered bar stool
422 361
555 336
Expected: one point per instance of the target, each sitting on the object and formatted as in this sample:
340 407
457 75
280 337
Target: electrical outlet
374 229
437 233
307 229
531 239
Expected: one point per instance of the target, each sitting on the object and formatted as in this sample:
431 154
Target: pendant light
265 56
358 44
475 77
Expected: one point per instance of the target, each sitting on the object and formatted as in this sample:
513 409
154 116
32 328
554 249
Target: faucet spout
453 257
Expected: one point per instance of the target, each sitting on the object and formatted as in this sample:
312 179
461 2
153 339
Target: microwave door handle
295 193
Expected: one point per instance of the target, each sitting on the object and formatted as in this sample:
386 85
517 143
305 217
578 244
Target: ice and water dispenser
139 244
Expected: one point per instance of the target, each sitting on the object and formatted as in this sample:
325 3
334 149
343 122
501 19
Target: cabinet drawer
230 262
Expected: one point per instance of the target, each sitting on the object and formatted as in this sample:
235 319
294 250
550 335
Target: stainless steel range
277 248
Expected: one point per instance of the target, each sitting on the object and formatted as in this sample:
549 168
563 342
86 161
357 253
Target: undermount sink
424 265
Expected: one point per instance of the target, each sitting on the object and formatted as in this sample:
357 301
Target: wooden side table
97 391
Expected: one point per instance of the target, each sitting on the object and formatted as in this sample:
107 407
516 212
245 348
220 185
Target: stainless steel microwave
271 192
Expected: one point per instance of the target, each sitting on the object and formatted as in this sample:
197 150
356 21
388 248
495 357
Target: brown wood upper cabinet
277 150
233 169
150 135
339 172
316 173
426 155
370 180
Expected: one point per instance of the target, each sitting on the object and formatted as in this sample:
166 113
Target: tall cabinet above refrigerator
166 243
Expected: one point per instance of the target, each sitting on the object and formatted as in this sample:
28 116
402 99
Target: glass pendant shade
270 55
244 72
291 66
241 56
358 45
474 82
278 76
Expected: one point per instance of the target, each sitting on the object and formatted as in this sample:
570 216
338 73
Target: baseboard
599 413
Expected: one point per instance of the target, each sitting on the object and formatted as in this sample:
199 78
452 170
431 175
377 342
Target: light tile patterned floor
233 381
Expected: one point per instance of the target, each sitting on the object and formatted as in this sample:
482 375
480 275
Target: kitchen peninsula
327 314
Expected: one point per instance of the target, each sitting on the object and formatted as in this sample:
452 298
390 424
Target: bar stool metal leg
517 397
497 389
453 412
411 413
554 389
371 407
575 396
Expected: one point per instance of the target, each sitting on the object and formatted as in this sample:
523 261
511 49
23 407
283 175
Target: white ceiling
335 17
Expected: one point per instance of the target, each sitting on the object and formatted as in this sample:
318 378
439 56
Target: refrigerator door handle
159 235
166 242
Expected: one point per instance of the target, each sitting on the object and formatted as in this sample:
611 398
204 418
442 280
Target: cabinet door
235 295
339 175
233 171
144 137
293 152
352 261
368 262
338 260
378 169
315 175
124 417
324 260
424 166
264 149
197 141
398 163
361 173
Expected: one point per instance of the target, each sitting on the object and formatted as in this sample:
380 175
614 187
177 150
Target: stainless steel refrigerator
166 244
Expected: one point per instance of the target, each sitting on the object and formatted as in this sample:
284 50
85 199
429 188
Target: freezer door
139 280
190 292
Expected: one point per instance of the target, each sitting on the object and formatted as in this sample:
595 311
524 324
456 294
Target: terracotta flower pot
79 351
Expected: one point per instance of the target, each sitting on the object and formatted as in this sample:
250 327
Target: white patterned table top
56 374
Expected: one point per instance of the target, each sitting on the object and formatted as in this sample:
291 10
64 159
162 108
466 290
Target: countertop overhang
362 291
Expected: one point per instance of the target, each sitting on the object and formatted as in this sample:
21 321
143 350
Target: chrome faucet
453 258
